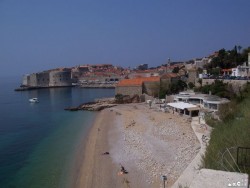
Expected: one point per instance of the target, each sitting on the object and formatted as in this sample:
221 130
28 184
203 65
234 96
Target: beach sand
147 142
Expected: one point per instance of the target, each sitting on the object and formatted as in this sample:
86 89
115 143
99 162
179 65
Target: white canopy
182 105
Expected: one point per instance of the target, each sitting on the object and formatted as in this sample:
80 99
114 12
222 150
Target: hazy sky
44 34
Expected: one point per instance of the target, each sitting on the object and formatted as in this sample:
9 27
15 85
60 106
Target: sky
41 35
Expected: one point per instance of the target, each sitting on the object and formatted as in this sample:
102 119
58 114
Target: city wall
236 84
128 90
60 78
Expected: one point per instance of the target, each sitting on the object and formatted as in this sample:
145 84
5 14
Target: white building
242 70
204 101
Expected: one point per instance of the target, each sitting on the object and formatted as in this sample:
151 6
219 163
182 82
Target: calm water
38 142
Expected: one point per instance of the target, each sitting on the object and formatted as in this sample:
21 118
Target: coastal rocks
101 104
98 105
125 99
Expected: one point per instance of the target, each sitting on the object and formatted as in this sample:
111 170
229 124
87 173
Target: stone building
192 75
200 62
79 71
50 78
138 86
40 79
169 78
143 73
25 80
61 77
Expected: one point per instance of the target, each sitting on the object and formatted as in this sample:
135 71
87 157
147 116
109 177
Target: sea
39 142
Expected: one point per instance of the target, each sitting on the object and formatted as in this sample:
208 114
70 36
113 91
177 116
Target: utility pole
163 178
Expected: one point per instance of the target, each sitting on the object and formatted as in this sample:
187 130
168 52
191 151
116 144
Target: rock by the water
101 104
98 105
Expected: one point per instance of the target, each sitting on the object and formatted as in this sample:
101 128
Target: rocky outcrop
101 104
98 105
124 99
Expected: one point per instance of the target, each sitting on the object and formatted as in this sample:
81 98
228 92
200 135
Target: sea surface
39 142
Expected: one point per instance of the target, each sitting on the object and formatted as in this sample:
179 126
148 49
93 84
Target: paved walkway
195 177
200 129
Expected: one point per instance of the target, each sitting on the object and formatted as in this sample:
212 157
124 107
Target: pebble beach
149 143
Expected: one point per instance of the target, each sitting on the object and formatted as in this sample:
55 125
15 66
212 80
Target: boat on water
34 100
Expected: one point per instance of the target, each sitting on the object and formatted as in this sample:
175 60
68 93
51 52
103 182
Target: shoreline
157 144
39 87
95 168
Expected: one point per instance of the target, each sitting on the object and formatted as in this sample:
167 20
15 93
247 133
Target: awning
193 109
182 105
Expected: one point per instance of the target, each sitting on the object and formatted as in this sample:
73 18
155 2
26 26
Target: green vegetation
218 88
160 90
232 131
155 89
227 59
176 87
176 70
191 85
119 97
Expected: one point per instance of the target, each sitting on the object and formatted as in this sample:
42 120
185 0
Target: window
213 106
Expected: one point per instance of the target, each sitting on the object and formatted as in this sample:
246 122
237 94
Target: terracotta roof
169 75
226 70
138 81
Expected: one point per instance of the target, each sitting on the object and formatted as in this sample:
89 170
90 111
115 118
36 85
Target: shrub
231 132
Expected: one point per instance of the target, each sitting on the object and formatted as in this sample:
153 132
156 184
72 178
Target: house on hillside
148 85
241 70
169 78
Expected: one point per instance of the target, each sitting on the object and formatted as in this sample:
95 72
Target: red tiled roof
226 70
169 75
138 81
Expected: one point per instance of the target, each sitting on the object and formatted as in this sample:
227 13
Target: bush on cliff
231 132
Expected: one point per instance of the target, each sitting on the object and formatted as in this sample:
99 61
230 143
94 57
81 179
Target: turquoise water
39 142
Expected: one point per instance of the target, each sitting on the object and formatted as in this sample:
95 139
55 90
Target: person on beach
105 153
123 171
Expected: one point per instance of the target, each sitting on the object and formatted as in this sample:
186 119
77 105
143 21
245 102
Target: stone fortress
52 78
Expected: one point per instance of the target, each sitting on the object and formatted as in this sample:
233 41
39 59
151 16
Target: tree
175 70
191 85
220 89
228 59
164 87
200 70
178 86
155 89
215 71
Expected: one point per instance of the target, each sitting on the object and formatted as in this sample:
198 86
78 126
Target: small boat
34 100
